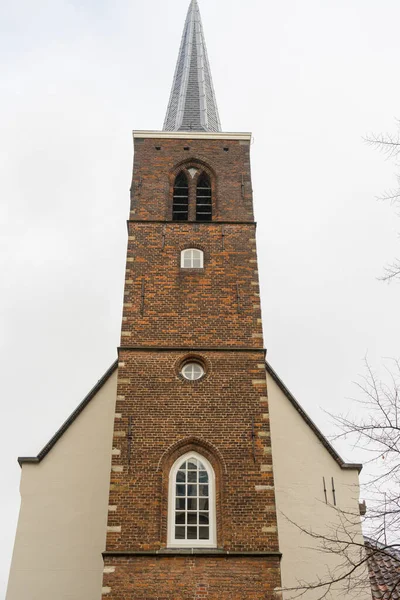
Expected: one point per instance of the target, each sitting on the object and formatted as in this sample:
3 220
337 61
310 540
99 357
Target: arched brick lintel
194 444
201 166
214 456
196 162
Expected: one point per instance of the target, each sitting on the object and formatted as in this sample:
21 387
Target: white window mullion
192 258
191 511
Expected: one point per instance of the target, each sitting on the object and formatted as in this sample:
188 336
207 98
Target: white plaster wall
300 461
61 530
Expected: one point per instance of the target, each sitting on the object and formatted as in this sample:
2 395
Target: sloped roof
74 415
310 423
384 570
192 104
46 449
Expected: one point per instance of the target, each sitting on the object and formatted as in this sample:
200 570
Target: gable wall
64 502
61 529
300 462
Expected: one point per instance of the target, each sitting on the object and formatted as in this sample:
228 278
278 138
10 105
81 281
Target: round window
192 371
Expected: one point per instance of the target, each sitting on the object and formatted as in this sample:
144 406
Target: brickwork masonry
211 315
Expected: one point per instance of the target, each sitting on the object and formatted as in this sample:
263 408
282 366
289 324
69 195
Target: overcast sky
309 78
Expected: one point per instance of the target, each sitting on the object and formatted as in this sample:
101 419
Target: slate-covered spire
192 105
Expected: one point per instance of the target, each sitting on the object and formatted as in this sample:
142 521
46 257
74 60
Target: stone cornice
192 135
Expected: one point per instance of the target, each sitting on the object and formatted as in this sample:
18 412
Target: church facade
189 471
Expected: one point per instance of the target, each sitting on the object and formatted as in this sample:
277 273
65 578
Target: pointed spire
192 104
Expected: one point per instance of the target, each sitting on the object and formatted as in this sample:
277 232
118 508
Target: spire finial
192 104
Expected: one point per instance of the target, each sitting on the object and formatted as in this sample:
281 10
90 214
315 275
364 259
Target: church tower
191 504
192 508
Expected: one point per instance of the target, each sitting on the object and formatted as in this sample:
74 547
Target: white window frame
190 363
172 542
186 252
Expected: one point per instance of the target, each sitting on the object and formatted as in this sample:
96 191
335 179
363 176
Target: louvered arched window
203 198
192 502
180 206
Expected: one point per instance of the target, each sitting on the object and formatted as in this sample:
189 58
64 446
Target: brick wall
214 417
197 578
165 305
170 315
154 173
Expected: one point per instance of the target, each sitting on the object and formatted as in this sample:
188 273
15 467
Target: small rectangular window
192 258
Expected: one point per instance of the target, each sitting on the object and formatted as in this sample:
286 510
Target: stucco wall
300 462
62 523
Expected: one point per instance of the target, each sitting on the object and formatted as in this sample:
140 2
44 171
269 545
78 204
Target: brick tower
191 507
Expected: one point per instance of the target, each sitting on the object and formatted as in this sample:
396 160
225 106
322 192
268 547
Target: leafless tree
374 427
389 145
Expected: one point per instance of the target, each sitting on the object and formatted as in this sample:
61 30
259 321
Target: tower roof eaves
193 135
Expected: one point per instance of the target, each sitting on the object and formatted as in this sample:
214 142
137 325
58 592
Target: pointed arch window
192 503
203 198
180 205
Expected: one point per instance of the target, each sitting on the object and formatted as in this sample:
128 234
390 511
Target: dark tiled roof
192 104
310 423
384 570
36 459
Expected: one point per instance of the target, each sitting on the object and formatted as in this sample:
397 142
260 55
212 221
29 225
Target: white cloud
308 78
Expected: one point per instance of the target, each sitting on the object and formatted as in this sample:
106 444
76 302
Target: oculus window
192 371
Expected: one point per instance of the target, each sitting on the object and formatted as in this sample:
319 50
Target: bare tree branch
376 429
389 145
392 271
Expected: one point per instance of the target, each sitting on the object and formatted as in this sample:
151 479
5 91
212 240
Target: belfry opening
170 479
